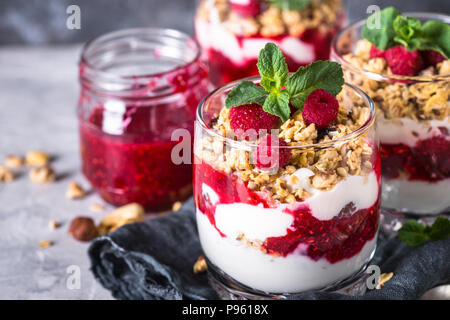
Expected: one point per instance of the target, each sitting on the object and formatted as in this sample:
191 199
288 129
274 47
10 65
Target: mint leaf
278 104
435 36
413 233
382 35
440 230
294 5
406 29
245 93
272 68
325 75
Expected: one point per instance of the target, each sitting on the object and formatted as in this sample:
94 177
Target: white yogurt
290 274
408 131
215 35
419 197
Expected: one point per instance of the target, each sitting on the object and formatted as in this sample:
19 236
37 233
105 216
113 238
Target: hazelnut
13 161
75 191
97 207
200 265
176 206
5 174
37 158
42 175
52 224
83 229
384 277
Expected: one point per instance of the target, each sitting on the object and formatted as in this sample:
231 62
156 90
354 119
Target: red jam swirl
336 239
427 161
223 70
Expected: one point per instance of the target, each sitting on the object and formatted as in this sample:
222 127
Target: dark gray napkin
154 259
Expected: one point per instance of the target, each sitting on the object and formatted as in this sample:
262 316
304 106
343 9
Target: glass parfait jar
413 123
232 32
273 234
137 87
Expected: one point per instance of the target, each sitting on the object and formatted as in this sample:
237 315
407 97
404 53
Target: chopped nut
37 158
45 244
97 207
52 224
13 161
384 277
129 213
75 191
42 175
200 265
83 229
176 206
5 175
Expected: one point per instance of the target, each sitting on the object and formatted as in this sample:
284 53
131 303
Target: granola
420 101
272 21
330 164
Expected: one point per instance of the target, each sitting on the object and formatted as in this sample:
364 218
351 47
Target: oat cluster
420 101
319 14
330 164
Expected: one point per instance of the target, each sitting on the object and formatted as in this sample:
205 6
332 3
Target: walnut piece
5 174
83 229
384 277
42 175
97 207
52 224
176 206
45 244
37 158
75 191
200 265
129 213
13 161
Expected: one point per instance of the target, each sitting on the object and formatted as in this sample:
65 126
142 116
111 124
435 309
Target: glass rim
114 35
383 77
248 146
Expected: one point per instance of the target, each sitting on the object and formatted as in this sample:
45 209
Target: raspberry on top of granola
304 108
405 47
272 18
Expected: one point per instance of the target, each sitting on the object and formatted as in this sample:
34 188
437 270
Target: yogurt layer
418 197
215 35
290 274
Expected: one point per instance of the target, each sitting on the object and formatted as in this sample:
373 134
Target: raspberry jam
336 239
223 70
128 112
427 161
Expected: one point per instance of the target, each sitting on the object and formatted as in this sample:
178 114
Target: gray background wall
44 21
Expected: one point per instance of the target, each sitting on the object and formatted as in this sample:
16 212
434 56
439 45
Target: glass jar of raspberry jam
232 32
137 87
413 116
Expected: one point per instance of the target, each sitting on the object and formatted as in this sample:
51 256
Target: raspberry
404 62
320 108
248 117
246 8
270 153
432 58
376 53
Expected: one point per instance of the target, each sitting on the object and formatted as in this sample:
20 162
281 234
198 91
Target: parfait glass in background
265 243
232 32
137 87
413 115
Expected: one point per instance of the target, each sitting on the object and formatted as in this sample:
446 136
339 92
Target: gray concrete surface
38 94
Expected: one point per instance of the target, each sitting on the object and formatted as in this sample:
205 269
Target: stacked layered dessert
410 88
232 32
287 193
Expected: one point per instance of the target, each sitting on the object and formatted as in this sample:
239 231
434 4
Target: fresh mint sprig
395 29
279 90
414 233
294 5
